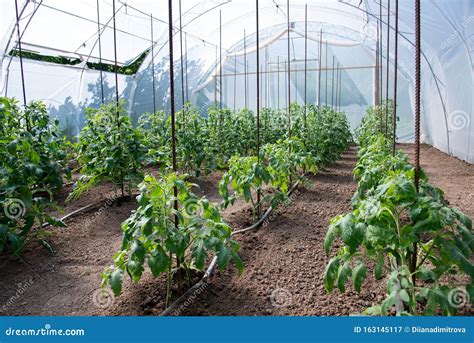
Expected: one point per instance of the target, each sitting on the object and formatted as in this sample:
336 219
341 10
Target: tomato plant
374 162
191 142
32 166
110 149
245 133
246 176
281 161
208 143
388 219
284 159
215 142
328 133
274 125
151 236
156 130
374 123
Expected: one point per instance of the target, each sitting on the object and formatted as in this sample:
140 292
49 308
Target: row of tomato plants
35 160
174 233
412 237
33 164
111 148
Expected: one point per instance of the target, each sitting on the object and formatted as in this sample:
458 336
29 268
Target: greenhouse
236 157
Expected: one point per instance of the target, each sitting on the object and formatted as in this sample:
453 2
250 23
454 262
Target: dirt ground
453 176
284 260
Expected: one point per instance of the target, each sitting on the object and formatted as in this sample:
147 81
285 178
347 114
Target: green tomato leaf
330 274
358 276
158 262
115 281
379 265
342 276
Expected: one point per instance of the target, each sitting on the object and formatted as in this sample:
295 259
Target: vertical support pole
340 88
338 74
215 83
266 77
305 63
181 55
417 91
379 73
289 68
20 53
395 83
186 64
285 74
173 134
320 66
296 70
326 73
417 115
381 57
153 65
21 62
376 71
267 68
115 61
100 55
116 81
245 69
215 93
262 89
258 98
278 82
235 82
172 105
388 69
220 59
337 87
332 80
305 75
296 76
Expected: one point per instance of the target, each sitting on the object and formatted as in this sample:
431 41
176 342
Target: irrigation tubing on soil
212 266
84 209
210 270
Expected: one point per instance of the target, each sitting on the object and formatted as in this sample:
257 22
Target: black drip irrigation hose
84 209
212 266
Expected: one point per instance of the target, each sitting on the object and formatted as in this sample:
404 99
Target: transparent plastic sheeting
70 29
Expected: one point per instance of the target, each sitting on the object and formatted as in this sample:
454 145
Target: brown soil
453 176
284 259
